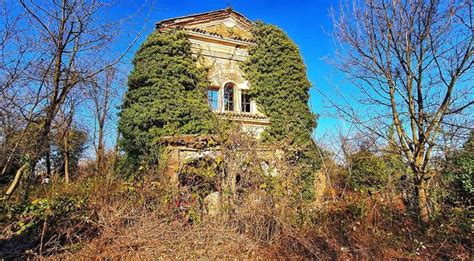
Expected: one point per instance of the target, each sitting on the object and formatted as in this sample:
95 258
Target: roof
211 16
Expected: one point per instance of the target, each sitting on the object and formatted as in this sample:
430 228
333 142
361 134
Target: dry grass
136 221
151 237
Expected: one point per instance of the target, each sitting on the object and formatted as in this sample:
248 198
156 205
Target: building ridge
176 21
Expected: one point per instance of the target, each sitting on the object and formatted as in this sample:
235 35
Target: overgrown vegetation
397 186
95 217
280 86
165 96
459 174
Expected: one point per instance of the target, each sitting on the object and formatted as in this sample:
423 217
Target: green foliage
24 148
307 162
460 173
280 86
34 213
166 96
369 171
372 171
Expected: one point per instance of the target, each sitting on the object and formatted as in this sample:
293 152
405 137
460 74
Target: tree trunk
66 167
66 156
420 192
420 181
422 200
48 159
30 179
38 153
100 151
16 180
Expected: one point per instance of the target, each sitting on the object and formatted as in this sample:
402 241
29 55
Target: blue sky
306 22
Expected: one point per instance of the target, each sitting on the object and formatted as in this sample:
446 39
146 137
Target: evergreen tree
166 95
280 85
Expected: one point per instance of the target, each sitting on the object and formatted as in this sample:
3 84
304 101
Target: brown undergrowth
112 219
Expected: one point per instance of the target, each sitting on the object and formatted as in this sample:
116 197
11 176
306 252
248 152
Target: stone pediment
225 23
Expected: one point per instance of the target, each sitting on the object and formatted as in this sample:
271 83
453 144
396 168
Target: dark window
229 97
245 102
212 98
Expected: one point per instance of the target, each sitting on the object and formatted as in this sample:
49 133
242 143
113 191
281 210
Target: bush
368 171
460 174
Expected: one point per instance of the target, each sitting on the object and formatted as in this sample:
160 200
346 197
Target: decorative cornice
247 117
190 140
189 23
205 17
234 40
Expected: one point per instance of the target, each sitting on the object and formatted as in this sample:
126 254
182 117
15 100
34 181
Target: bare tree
63 131
68 43
412 63
102 92
15 59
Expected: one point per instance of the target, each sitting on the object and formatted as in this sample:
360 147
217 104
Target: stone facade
185 149
222 39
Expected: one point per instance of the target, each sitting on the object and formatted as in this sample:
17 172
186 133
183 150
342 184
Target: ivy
166 96
280 86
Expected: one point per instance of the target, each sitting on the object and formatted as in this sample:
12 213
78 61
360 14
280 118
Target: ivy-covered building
221 40
194 68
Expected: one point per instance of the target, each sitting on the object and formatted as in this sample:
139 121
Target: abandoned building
222 39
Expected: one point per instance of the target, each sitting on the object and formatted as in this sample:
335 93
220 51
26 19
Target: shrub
368 171
460 174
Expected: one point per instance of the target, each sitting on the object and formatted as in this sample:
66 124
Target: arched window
229 97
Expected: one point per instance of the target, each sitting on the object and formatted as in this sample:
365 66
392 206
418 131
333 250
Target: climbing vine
280 86
165 96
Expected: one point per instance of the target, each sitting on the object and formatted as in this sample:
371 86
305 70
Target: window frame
245 103
209 98
229 100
